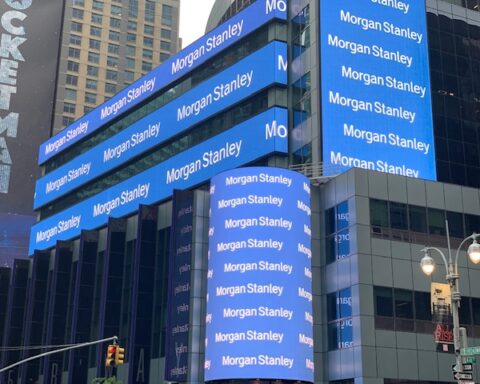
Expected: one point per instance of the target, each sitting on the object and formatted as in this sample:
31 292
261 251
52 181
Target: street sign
467 367
462 376
470 351
469 360
465 382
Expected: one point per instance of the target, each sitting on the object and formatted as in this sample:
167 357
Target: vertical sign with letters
376 102
180 262
259 295
27 85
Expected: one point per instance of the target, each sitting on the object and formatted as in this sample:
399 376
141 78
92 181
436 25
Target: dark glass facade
455 79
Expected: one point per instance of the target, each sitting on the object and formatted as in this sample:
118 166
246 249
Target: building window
111 75
149 11
74 52
301 31
87 109
70 94
97 5
337 221
69 108
71 80
91 84
90 98
112 61
110 88
133 8
129 76
67 120
130 63
131 37
79 3
113 48
164 57
407 310
116 10
148 54
92 71
130 50
96 18
166 34
93 57
94 44
76 27
165 45
148 30
114 36
339 315
75 40
146 66
115 23
132 25
167 14
72 66
77 13
95 31
148 41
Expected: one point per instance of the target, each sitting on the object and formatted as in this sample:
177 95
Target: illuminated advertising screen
259 295
250 75
253 139
197 53
178 300
376 102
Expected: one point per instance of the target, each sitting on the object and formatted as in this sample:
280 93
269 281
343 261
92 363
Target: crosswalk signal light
111 355
119 355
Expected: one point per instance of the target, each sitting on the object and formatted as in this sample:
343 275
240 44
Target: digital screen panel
253 139
376 100
178 300
247 77
197 53
259 295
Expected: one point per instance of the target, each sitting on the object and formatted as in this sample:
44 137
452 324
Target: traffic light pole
74 346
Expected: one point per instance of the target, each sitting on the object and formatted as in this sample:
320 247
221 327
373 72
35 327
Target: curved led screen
259 299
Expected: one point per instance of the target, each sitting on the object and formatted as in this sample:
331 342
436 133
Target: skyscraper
60 59
107 44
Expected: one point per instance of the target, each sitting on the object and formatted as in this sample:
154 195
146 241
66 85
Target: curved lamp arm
473 236
427 249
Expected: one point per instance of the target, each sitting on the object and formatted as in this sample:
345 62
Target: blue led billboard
259 295
227 34
257 71
263 134
376 101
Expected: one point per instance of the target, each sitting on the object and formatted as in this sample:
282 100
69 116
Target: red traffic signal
111 353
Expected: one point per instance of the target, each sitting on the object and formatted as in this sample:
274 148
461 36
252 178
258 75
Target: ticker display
259 136
259 320
252 74
236 28
376 101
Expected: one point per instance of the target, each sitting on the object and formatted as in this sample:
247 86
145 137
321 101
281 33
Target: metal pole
452 278
113 338
453 281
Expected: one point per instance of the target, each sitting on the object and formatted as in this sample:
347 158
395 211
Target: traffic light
111 355
119 355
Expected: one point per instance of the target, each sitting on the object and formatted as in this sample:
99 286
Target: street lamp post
452 276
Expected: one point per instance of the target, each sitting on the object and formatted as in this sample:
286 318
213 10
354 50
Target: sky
193 19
